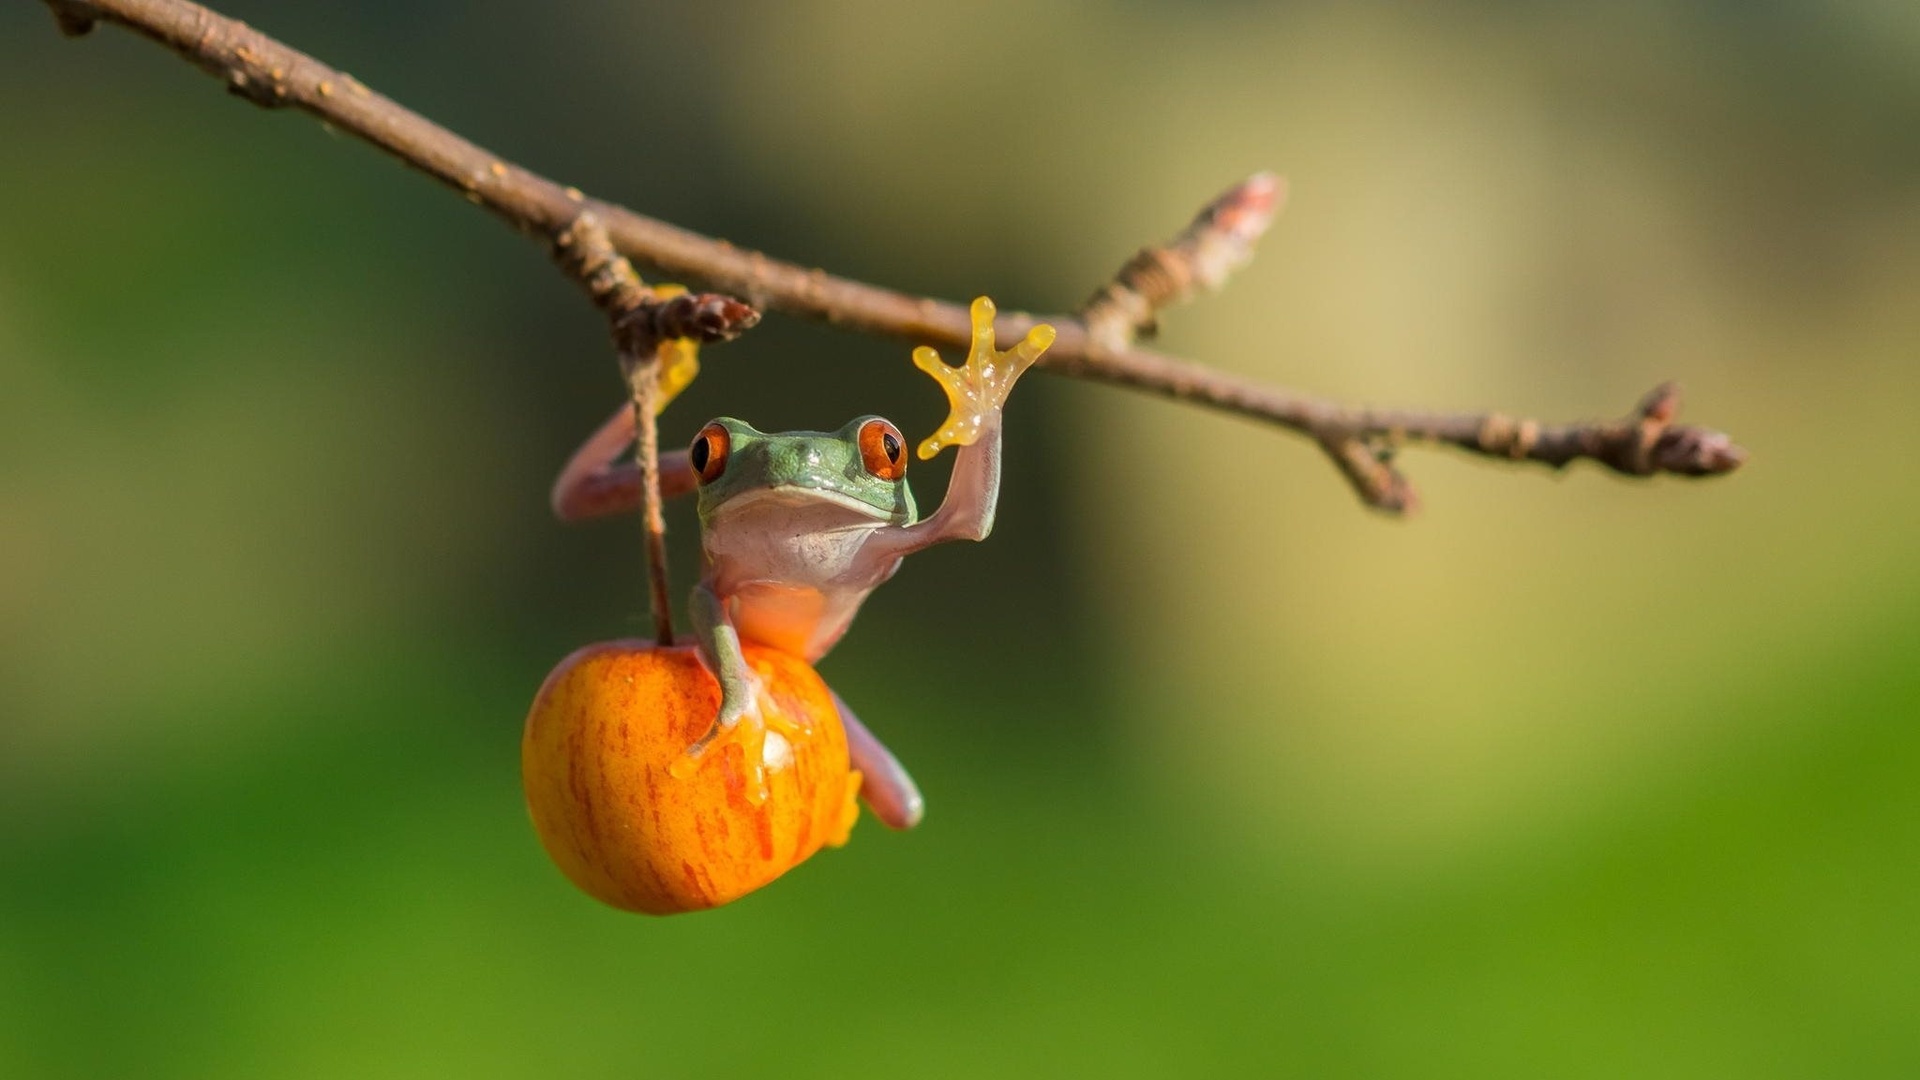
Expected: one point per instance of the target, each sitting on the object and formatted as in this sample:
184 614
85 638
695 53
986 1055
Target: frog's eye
882 450
709 452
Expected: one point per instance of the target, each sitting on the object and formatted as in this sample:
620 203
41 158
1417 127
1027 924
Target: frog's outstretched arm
889 792
973 494
977 391
601 478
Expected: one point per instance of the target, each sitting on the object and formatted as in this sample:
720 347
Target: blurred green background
1567 776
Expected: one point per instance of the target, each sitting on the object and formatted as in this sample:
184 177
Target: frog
797 528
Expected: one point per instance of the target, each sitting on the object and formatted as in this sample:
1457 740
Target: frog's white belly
793 576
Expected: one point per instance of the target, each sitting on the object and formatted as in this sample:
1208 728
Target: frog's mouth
839 507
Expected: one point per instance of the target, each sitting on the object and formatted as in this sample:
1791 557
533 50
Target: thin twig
643 380
1360 440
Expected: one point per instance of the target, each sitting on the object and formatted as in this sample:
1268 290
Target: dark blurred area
1566 776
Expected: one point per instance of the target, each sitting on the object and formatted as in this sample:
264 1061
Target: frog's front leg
719 645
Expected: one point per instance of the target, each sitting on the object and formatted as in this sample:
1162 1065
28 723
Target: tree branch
1361 441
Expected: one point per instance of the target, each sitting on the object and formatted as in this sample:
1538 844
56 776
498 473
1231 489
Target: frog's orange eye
709 452
882 450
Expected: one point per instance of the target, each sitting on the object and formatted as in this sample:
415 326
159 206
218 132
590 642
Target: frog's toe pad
978 388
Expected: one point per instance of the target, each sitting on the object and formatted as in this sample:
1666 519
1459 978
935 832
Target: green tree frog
796 528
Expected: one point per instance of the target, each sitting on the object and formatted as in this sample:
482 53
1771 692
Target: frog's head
860 469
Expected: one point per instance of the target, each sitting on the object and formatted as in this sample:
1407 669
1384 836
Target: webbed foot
978 388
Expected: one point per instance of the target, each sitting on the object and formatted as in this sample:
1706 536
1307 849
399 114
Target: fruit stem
634 312
643 378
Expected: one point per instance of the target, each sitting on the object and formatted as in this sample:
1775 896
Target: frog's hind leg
889 792
601 478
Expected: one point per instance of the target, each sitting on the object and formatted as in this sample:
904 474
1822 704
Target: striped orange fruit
629 818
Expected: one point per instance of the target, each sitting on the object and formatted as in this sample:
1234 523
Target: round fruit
633 821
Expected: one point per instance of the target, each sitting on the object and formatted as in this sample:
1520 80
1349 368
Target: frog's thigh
885 786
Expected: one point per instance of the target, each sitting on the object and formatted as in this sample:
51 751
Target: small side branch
1219 241
1099 345
641 322
1645 442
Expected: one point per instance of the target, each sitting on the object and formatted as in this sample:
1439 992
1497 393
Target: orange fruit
634 822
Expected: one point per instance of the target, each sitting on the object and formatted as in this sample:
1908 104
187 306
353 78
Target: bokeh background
1567 776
